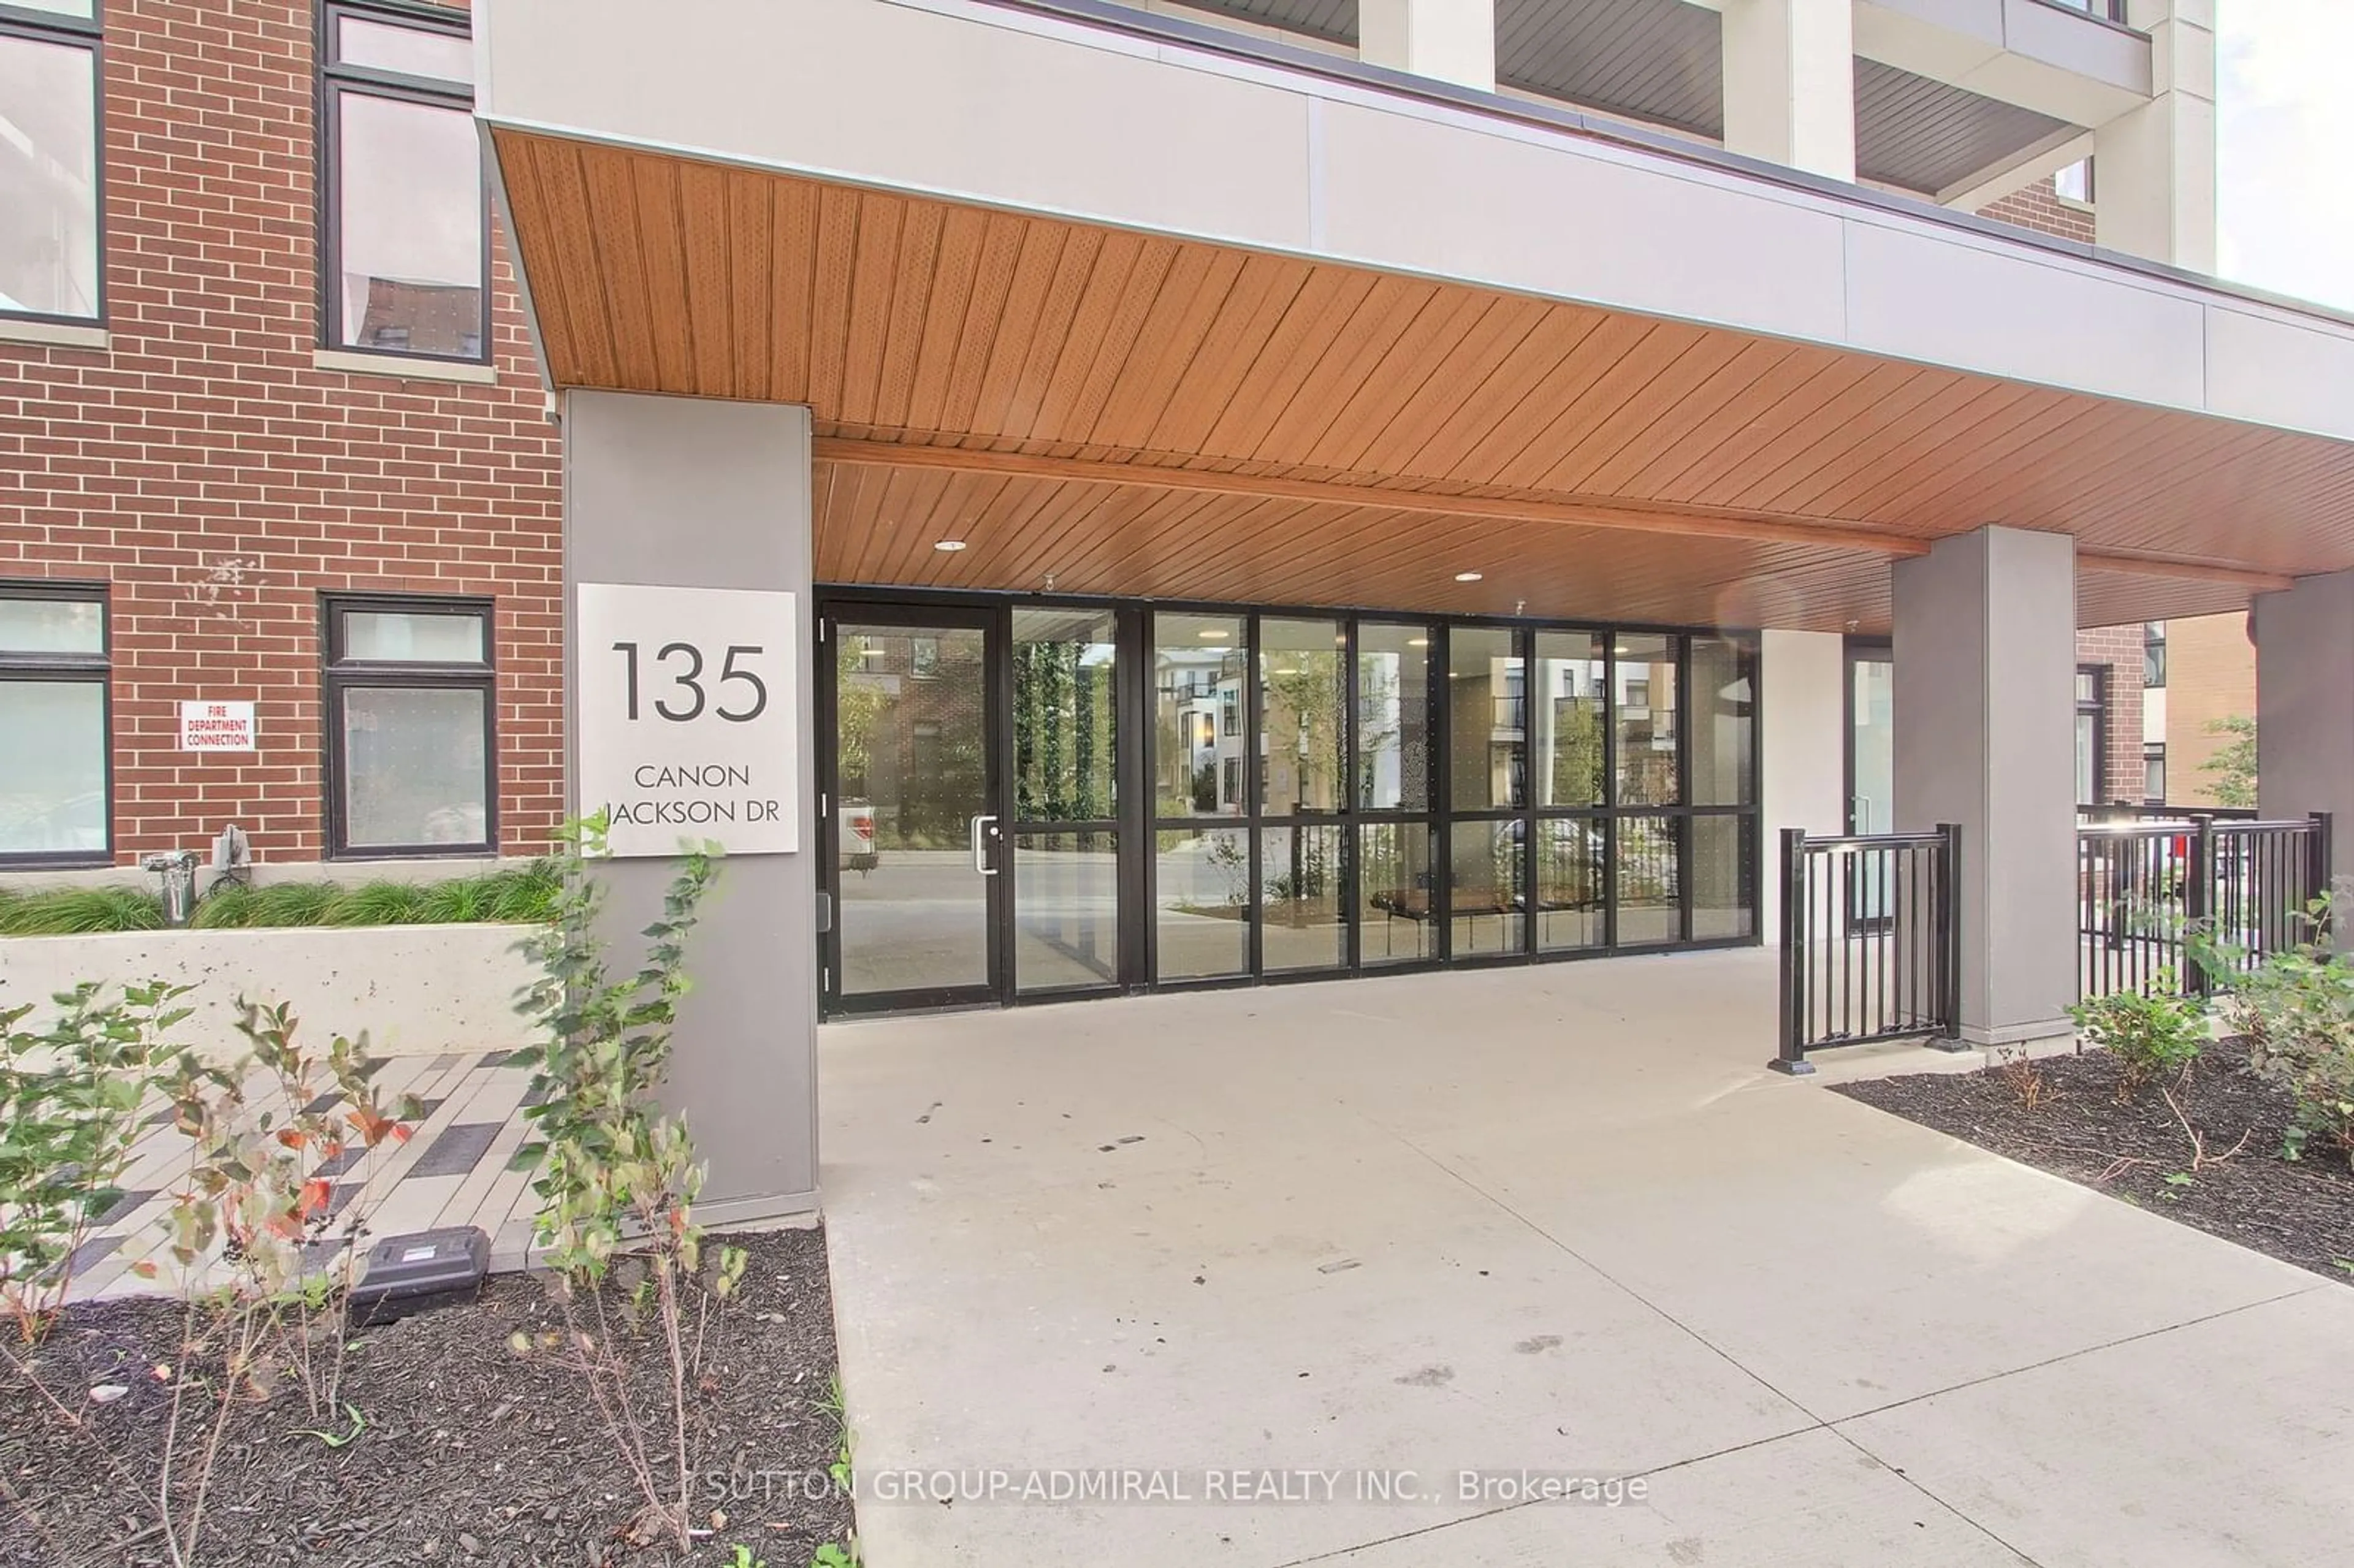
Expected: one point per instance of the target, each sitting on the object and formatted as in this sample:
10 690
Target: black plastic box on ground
419 1271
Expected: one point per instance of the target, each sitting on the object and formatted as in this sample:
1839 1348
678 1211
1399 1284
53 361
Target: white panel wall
1037 114
1802 729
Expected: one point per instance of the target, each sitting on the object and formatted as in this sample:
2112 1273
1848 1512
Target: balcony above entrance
1156 319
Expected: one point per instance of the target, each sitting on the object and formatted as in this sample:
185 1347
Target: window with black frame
1397 898
2092 733
1722 863
403 246
1202 882
410 705
1303 684
50 162
54 764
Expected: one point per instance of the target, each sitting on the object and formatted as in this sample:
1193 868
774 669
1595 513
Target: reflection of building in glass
420 318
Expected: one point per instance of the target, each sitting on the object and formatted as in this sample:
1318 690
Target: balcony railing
2104 10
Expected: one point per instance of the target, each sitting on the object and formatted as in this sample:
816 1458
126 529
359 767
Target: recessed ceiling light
1417 642
947 546
1212 634
1468 577
1288 670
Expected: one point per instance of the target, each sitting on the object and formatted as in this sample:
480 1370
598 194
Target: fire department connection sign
686 718
216 727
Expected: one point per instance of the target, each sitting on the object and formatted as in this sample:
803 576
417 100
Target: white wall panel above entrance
2021 316
1013 109
1452 200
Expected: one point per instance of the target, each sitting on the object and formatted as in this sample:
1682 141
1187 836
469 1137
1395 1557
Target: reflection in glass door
1067 753
918 838
1871 767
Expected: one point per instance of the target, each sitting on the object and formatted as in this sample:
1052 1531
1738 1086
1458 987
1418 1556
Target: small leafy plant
70 1098
244 1225
2155 1038
618 1175
2022 1075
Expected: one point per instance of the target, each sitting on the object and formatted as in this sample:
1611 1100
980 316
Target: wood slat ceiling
927 324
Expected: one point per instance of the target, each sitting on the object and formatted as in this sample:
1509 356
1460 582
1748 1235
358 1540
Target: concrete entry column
692 492
1790 83
2154 168
2305 706
1985 718
1452 40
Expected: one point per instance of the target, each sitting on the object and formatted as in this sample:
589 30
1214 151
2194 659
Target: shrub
2295 1012
617 1174
2152 1037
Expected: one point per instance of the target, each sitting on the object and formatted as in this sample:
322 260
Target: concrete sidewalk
1556 1219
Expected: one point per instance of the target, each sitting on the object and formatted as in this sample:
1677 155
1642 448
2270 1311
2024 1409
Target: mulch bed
2301 1214
470 1452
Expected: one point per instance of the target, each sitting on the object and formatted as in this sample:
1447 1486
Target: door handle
980 850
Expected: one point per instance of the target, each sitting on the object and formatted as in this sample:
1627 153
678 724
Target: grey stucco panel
2305 706
1985 699
690 493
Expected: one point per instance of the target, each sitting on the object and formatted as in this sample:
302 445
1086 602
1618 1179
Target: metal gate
1870 940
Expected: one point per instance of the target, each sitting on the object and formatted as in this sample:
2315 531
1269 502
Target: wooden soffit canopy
1138 415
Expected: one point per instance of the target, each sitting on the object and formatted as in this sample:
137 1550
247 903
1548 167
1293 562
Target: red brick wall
2038 208
2119 648
221 483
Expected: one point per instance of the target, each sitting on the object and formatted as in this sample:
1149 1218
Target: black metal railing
2134 811
1870 940
2144 885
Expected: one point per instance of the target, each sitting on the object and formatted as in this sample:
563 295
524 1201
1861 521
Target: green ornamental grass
511 896
78 911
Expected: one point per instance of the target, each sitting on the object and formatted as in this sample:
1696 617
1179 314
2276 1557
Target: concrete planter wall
417 990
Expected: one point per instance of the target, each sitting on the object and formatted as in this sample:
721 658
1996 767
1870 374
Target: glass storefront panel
1724 856
1200 715
1645 718
1724 720
1320 838
1065 715
1570 853
1486 915
1649 896
1394 717
1300 913
1303 704
1488 747
1395 900
1201 889
1066 911
1565 720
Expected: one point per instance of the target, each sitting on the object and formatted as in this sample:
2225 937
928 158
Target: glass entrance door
916 824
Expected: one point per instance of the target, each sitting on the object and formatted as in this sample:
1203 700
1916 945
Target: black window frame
2153 656
334 80
78 668
2097 705
86 33
340 675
